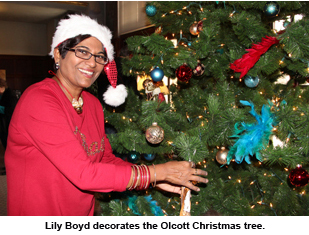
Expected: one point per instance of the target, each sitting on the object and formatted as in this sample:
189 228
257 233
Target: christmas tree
226 108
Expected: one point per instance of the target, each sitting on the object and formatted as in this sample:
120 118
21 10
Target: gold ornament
194 29
221 156
154 134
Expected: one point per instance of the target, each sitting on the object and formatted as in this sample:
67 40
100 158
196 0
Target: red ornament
184 73
299 177
161 98
200 26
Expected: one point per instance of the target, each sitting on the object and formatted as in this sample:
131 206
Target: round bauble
200 26
157 74
154 134
221 156
193 29
271 9
184 73
299 177
252 81
151 10
199 69
133 156
149 157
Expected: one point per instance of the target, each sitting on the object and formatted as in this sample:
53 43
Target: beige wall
18 38
131 16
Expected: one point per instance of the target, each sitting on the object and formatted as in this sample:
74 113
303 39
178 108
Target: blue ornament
157 74
133 156
251 81
149 156
271 9
151 10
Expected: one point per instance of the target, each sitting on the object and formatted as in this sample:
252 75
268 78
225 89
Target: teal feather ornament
251 137
155 209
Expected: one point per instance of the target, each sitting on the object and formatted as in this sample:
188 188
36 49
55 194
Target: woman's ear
56 55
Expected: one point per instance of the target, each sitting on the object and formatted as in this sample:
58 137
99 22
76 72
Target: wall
18 38
131 16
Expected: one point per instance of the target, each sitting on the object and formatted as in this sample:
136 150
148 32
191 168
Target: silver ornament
154 134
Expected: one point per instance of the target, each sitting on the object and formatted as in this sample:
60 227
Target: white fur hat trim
81 24
115 96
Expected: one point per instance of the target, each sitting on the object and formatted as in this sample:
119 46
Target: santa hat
81 24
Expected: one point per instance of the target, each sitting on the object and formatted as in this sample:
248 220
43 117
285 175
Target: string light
179 11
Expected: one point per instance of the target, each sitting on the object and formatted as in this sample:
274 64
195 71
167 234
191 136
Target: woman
58 154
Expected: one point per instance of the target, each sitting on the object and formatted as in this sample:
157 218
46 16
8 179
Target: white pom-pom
115 96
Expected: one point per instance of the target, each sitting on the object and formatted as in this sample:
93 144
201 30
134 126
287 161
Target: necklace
77 105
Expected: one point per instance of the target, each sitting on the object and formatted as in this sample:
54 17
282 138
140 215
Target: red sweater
56 159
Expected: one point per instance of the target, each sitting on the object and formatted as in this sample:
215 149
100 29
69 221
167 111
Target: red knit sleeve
45 123
109 157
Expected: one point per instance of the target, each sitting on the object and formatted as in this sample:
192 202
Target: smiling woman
58 154
78 68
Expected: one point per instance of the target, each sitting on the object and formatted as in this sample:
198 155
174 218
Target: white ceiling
38 11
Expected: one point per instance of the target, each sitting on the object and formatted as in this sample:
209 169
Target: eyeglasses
86 55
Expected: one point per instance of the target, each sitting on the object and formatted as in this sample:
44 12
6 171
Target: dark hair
70 43
3 83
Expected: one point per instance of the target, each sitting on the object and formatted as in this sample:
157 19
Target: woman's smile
87 73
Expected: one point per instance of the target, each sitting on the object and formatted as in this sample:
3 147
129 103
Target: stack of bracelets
141 177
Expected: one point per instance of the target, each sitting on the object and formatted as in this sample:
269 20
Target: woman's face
79 73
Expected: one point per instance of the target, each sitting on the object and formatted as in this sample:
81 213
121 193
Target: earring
57 65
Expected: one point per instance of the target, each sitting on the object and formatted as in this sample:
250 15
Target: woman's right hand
180 173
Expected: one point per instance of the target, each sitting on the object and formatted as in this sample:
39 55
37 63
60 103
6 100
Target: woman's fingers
182 173
199 172
169 188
